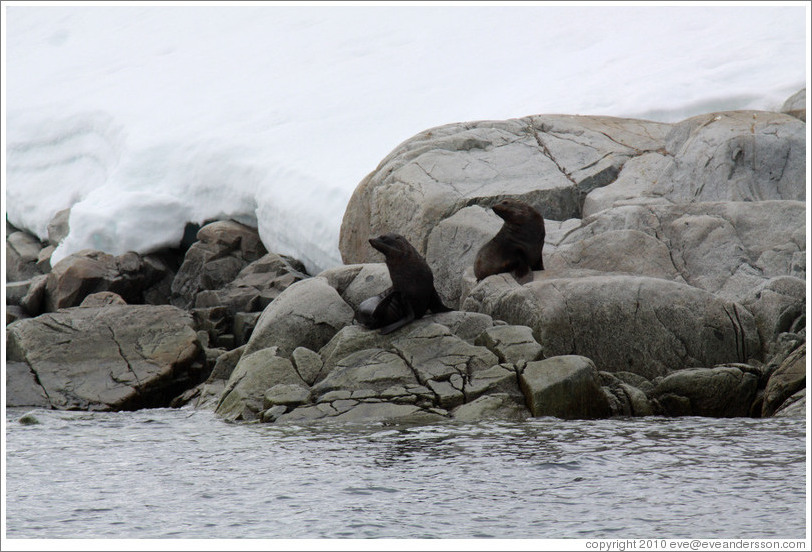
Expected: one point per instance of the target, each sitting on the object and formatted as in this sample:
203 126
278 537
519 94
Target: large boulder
422 372
727 248
223 249
135 278
787 380
549 161
796 105
307 314
647 326
255 373
22 255
558 163
116 357
722 392
565 387
728 156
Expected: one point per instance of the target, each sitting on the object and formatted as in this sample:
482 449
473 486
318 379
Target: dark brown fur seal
412 292
517 246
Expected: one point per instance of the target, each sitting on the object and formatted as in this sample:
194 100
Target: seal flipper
369 309
436 304
380 310
523 274
408 316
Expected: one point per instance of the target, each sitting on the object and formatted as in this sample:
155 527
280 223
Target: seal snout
501 208
379 244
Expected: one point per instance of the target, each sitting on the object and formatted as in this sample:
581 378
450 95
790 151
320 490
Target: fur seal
412 292
517 246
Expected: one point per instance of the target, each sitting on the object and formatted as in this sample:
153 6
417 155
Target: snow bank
145 118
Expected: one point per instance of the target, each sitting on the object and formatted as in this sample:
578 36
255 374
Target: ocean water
168 473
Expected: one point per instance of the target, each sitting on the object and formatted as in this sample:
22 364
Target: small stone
272 414
28 419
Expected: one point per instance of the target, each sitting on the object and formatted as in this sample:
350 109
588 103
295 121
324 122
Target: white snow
143 118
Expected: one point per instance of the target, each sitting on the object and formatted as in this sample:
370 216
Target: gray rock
796 105
244 324
117 357
453 243
341 277
512 344
729 156
15 291
723 392
243 398
434 353
256 285
28 419
727 248
548 161
308 364
788 379
34 298
44 259
634 380
59 227
465 325
777 304
102 299
626 399
793 407
22 254
14 313
225 364
286 394
215 321
499 406
633 185
86 272
307 314
620 251
223 249
646 326
273 413
374 369
22 387
368 280
565 387
348 340
207 394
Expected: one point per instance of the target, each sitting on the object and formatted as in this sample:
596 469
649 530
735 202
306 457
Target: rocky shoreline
675 285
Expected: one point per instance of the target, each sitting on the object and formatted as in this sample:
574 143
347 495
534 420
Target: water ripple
178 473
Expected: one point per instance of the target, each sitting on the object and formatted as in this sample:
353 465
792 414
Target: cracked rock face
423 372
550 162
573 166
116 357
135 278
717 392
223 249
647 326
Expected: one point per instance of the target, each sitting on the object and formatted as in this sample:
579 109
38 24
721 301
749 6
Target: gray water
185 474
